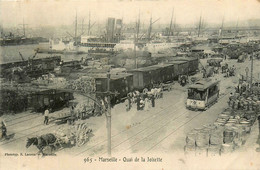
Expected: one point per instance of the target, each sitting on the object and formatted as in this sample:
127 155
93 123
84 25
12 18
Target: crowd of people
145 100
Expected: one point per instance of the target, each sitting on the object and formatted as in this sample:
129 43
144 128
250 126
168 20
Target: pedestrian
142 104
127 105
129 101
153 100
138 102
3 129
46 116
146 104
230 98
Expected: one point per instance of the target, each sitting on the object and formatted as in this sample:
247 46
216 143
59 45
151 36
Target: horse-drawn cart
64 137
72 115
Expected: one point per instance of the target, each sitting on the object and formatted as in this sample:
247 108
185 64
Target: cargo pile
245 101
51 81
73 135
229 131
85 84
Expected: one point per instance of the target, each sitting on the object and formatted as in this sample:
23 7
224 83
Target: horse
42 141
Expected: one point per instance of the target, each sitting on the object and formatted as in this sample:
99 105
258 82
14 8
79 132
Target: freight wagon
51 98
120 84
193 64
145 77
180 68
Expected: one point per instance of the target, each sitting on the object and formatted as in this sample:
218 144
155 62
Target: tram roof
203 84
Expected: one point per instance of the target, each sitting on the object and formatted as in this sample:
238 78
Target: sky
187 12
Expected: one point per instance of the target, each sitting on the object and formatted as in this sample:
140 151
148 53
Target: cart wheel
47 150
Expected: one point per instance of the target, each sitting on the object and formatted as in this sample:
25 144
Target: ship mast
150 29
170 30
23 29
221 29
89 23
138 27
237 28
136 36
199 26
76 27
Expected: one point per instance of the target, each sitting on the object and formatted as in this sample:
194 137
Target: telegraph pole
251 79
135 50
108 115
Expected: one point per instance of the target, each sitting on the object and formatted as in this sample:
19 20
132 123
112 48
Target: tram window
213 90
196 94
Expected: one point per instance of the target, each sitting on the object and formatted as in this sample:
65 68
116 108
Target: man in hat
46 116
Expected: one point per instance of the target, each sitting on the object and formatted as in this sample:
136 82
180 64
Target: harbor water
11 53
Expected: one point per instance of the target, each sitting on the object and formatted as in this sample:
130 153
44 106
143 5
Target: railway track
19 117
157 116
166 121
159 123
138 146
50 126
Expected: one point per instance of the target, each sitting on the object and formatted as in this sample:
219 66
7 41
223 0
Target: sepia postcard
129 84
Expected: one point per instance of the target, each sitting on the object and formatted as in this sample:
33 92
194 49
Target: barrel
246 125
191 139
238 140
202 139
216 137
228 136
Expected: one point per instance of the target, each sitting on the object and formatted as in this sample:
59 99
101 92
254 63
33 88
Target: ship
10 39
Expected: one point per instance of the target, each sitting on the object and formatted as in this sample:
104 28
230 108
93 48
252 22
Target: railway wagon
146 77
120 83
52 98
193 64
166 72
180 68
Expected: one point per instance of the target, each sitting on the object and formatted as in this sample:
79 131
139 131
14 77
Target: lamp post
108 115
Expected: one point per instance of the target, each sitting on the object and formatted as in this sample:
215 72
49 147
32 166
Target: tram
202 94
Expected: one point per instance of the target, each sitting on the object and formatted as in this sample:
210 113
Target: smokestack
110 29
